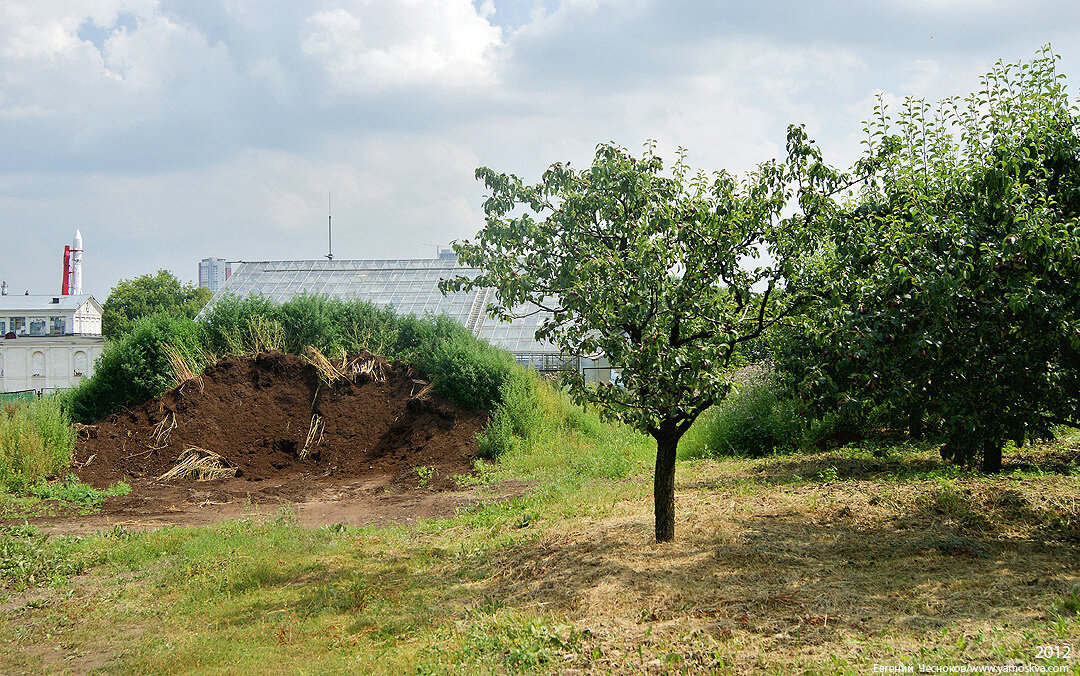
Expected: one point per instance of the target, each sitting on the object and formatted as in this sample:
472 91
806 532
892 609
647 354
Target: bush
465 370
36 441
754 420
233 324
136 367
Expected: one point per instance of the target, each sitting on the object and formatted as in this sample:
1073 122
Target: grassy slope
824 563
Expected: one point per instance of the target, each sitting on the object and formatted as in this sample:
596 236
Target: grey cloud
240 132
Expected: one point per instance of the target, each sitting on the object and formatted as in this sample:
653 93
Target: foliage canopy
951 282
132 299
665 272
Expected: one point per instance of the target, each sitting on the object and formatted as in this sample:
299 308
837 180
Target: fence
21 395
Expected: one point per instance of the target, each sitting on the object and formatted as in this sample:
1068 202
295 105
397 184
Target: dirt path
375 500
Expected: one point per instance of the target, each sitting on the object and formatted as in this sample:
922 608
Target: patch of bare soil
375 446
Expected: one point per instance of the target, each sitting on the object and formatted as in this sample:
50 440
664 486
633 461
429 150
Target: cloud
171 130
376 45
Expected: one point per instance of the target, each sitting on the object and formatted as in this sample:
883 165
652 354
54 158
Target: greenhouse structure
410 286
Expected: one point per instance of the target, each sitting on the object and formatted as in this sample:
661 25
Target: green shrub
465 370
497 438
241 326
519 397
311 320
754 420
136 367
517 416
36 441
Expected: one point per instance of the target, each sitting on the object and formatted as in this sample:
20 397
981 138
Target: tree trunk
915 424
667 443
991 460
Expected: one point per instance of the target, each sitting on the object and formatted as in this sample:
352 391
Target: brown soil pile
272 419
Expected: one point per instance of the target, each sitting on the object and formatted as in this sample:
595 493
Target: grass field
823 563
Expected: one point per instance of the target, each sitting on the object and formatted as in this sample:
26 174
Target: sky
173 130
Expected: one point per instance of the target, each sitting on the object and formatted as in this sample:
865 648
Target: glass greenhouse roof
409 286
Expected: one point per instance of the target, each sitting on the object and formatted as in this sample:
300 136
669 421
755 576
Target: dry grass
824 563
199 464
186 367
314 435
163 428
822 575
364 367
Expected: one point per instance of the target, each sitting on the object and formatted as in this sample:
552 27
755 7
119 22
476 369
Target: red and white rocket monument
72 283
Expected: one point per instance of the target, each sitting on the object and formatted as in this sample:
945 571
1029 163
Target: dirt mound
273 420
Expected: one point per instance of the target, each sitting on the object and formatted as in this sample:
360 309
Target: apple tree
666 272
948 289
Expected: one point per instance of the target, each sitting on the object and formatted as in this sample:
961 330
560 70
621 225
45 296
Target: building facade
213 273
49 342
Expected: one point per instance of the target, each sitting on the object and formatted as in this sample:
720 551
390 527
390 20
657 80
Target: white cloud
375 45
177 130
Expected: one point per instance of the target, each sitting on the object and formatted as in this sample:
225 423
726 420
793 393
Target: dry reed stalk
360 366
322 364
369 367
315 430
200 464
424 386
163 428
184 367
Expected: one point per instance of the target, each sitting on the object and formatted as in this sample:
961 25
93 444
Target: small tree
949 285
132 299
664 273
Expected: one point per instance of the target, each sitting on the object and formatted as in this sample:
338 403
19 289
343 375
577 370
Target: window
37 327
80 364
18 324
3 326
56 326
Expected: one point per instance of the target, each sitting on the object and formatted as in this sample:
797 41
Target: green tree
666 273
132 299
951 279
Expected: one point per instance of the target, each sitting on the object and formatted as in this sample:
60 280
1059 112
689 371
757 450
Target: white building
213 272
49 342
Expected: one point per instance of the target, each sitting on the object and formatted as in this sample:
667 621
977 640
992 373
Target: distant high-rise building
213 272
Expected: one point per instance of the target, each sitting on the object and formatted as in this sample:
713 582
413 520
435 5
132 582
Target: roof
24 303
410 286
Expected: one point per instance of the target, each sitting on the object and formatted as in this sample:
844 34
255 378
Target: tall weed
539 432
753 421
36 441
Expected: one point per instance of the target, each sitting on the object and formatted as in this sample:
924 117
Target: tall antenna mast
329 230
